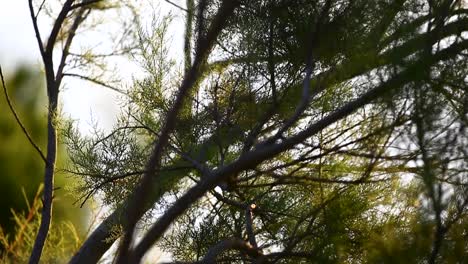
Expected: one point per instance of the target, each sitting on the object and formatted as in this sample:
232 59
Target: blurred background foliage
22 169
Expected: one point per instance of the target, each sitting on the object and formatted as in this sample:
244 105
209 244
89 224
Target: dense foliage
367 103
327 131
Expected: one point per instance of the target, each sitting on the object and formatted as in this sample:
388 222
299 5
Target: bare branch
66 49
48 182
96 188
85 4
176 5
57 26
228 244
36 28
39 9
94 80
249 225
25 132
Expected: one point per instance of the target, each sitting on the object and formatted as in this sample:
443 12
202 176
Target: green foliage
63 238
20 164
383 183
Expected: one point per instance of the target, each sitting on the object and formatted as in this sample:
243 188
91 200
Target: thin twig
12 109
66 49
84 4
39 9
93 80
310 63
85 197
36 28
176 5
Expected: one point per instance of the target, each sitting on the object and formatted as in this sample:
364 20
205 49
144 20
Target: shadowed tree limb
228 244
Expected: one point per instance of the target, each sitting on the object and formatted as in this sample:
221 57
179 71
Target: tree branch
12 109
85 4
176 5
249 225
94 80
66 49
228 244
36 28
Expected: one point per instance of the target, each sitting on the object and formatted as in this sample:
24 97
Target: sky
81 101
18 46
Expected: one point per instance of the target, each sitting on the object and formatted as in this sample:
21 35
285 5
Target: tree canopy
328 131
